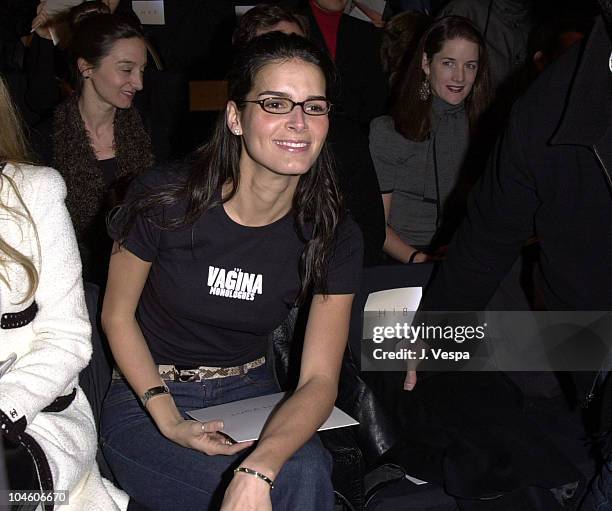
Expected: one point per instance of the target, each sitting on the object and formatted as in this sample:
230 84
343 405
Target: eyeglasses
285 105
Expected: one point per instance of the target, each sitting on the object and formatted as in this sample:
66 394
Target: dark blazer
550 175
363 85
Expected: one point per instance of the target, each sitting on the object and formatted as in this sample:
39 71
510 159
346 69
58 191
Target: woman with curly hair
47 426
209 261
97 140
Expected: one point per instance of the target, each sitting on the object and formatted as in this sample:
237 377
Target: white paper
244 420
55 6
377 6
239 10
149 12
356 12
414 480
407 298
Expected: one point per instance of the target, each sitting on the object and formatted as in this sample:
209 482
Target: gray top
406 168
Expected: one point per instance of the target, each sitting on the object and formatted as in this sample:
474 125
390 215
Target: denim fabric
599 497
163 475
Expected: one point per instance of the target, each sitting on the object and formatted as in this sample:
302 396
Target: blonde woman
46 422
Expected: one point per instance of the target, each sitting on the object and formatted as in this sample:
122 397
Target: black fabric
358 183
110 170
21 471
12 429
466 432
363 86
59 404
477 441
407 496
555 187
43 64
363 89
27 467
189 311
18 319
550 175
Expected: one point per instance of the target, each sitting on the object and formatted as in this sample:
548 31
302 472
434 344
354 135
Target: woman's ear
84 67
425 64
232 117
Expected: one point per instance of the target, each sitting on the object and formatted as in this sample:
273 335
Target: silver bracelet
252 472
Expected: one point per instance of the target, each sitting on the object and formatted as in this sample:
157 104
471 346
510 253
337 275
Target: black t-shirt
216 289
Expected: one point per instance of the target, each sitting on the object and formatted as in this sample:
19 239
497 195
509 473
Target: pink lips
455 89
293 146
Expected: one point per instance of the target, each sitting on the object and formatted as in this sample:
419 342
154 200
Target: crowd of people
455 133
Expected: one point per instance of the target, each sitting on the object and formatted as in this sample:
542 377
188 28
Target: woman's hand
203 436
247 493
421 257
40 22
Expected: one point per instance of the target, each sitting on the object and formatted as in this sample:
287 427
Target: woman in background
47 426
419 150
97 140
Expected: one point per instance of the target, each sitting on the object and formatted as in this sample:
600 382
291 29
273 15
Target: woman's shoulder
382 131
30 179
386 140
381 125
349 233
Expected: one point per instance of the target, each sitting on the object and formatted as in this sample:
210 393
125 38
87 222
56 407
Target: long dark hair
93 36
316 202
412 115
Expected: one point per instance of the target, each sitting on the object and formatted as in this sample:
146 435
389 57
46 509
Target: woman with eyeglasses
209 258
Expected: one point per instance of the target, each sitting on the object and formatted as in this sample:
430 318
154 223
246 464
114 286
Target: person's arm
383 148
394 245
61 347
126 278
500 217
310 405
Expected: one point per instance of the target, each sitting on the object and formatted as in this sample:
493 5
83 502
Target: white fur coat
56 346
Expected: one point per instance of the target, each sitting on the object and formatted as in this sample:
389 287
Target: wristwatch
152 392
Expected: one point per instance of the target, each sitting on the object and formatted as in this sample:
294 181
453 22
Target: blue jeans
599 496
163 475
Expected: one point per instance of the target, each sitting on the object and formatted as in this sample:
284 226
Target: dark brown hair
263 17
93 37
316 202
411 115
400 38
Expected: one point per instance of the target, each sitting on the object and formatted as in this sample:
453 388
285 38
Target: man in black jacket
354 45
550 175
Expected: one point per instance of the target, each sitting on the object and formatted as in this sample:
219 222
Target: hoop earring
424 90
